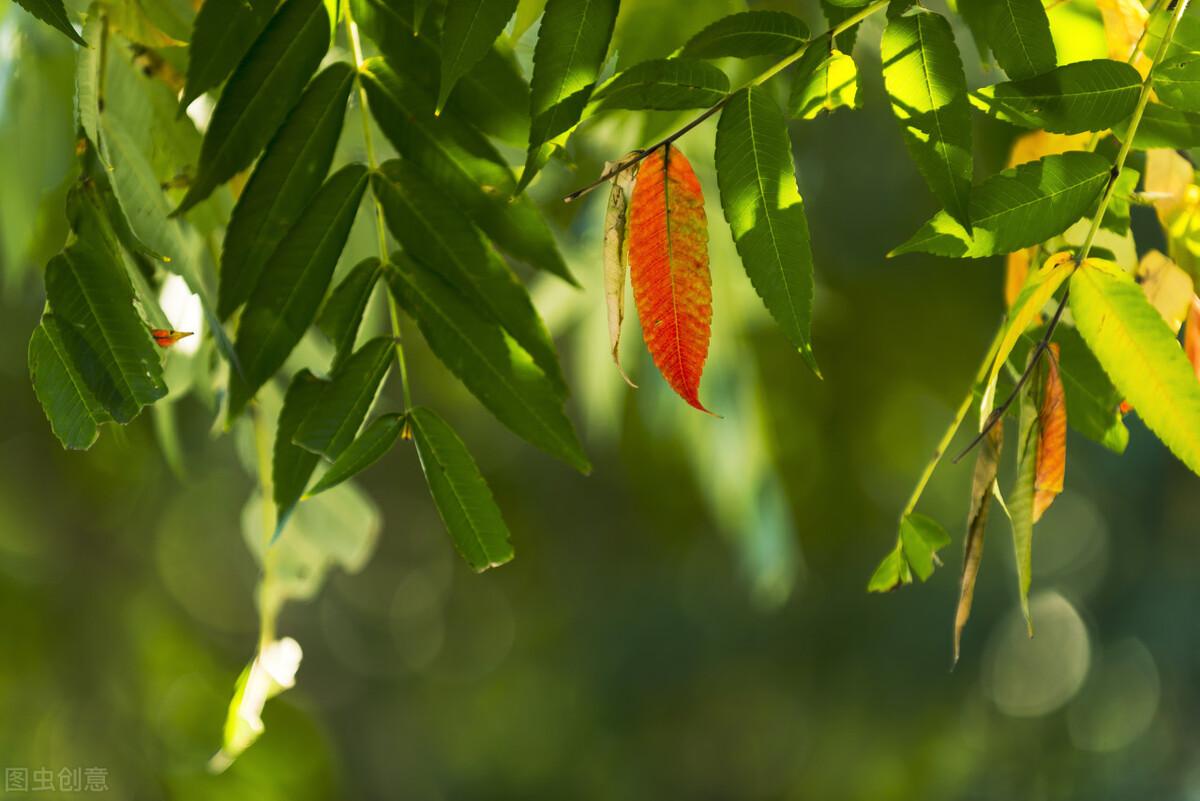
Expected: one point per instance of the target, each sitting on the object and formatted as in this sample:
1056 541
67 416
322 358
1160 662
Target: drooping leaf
1084 96
468 31
333 421
1020 504
1136 349
920 539
293 283
668 84
1168 288
616 257
823 83
460 493
435 233
501 374
1163 127
367 449
924 77
1018 32
1052 436
292 466
463 165
53 13
748 34
983 482
1177 82
284 180
765 212
572 42
262 90
1017 208
70 406
342 314
668 258
221 34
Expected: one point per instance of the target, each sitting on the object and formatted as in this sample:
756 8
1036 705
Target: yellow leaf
1016 270
1052 438
1124 23
1168 176
1167 287
1039 144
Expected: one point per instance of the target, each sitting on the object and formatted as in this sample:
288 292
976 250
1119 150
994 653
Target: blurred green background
688 622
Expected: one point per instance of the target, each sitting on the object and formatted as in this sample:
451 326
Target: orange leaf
668 259
166 338
1052 439
1016 271
1191 337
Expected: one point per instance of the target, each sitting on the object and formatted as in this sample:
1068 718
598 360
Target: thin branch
774 70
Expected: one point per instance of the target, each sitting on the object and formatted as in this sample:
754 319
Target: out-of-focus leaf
765 212
460 493
87 78
343 312
493 367
667 84
292 466
1168 176
221 34
1016 271
1177 82
983 482
367 448
435 233
616 257
920 539
1052 436
1084 96
1018 32
1124 24
668 259
262 90
1191 336
463 165
272 671
333 421
284 180
1163 127
293 283
1140 355
748 34
823 83
1017 208
70 406
1168 288
52 12
468 31
924 77
1020 504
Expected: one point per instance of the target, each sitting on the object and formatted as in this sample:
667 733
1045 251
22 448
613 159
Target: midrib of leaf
556 106
1038 199
462 45
671 257
1017 30
937 117
358 397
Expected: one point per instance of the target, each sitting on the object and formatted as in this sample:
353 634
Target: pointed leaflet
1020 505
616 256
460 493
263 89
928 91
72 409
342 314
748 34
335 418
667 84
920 539
293 283
823 83
367 448
1017 208
1052 437
765 212
1085 96
668 258
987 465
221 34
463 165
572 42
292 465
1018 32
284 180
1140 355
53 13
468 31
435 233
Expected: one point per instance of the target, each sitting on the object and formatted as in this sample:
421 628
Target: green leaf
1163 127
921 538
343 312
87 79
293 283
263 89
491 365
72 409
367 449
1017 208
463 165
893 572
669 84
460 493
571 46
334 420
748 34
92 300
1177 82
823 83
1084 96
928 93
54 14
528 12
221 34
284 180
1140 354
1018 31
292 465
765 212
1020 506
1093 403
468 31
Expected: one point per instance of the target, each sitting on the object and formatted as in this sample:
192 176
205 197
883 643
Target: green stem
268 609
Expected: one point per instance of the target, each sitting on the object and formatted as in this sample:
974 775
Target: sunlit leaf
748 34
1018 32
823 83
368 447
1177 82
1079 97
665 84
1052 436
1168 288
1164 127
1191 336
915 554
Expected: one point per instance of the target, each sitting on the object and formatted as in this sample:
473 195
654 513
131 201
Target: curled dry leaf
616 255
1052 438
987 465
668 260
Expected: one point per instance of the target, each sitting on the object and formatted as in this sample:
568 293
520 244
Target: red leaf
1191 337
668 257
1052 439
166 338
